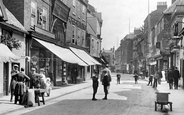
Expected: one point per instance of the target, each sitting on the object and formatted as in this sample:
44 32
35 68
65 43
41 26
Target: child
118 77
136 77
48 87
150 80
95 84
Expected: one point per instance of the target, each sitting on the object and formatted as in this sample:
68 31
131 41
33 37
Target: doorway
5 78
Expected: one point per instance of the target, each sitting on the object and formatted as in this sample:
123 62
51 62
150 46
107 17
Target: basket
162 97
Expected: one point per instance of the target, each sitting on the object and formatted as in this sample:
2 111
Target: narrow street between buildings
126 98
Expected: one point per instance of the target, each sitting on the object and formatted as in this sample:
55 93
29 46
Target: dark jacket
95 81
170 76
176 74
106 77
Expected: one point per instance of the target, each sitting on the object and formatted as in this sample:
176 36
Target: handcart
162 99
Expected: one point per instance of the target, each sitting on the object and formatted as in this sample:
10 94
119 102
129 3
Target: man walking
95 84
106 79
176 77
150 80
170 78
159 76
155 79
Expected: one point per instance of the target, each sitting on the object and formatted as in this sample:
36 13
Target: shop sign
74 21
61 11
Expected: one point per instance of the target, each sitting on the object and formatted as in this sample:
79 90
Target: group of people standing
155 79
105 78
20 83
173 77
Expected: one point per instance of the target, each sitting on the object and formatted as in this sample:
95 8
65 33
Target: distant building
118 59
127 53
110 57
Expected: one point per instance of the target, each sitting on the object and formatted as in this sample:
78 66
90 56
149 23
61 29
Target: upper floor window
78 36
97 46
78 9
92 44
44 18
33 13
73 34
83 9
74 3
83 37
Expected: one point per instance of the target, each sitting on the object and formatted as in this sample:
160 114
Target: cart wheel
155 106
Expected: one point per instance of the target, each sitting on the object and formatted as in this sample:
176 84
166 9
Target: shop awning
63 53
6 55
85 56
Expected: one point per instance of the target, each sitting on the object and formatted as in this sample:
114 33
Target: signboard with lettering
74 21
61 11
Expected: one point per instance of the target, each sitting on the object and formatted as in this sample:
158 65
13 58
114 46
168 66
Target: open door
5 78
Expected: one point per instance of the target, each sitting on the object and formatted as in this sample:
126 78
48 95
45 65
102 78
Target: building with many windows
12 47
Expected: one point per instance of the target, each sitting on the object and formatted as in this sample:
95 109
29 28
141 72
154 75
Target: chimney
173 1
161 6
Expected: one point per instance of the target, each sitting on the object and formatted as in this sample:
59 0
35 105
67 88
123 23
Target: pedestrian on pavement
176 77
155 80
106 79
32 76
150 80
118 77
159 76
95 84
13 80
20 87
136 77
170 78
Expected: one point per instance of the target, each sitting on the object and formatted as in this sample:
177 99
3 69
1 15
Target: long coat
170 76
176 74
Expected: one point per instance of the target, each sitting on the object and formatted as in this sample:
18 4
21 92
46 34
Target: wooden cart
162 99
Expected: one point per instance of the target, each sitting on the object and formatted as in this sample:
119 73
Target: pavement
6 106
175 96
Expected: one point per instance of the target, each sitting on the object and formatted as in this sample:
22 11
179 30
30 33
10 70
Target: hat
42 69
15 65
33 69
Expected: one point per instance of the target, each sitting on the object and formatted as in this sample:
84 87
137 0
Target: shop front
83 55
56 60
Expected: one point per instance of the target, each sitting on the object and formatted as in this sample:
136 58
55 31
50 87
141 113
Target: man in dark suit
176 77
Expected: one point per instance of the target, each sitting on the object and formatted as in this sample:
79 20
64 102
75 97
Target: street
126 98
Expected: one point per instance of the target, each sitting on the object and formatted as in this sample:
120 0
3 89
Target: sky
121 17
